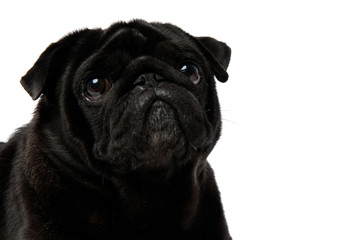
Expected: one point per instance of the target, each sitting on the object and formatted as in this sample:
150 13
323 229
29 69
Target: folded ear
218 53
50 64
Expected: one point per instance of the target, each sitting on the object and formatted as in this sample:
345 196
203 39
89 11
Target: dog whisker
230 121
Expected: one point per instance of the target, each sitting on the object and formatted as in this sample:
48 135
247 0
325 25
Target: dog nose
148 79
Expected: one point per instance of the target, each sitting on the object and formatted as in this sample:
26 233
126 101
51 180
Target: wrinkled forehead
144 39
130 39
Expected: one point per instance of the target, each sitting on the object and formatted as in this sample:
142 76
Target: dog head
137 97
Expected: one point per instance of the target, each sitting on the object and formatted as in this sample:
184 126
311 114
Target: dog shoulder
8 152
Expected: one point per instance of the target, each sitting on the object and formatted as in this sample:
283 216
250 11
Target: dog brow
117 39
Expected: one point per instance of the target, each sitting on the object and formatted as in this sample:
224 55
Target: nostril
140 80
158 77
148 78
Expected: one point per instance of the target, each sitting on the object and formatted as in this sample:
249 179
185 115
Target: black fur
129 165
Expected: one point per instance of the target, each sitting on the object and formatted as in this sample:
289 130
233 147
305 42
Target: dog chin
162 128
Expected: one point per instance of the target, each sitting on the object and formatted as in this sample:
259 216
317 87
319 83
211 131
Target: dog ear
218 54
50 63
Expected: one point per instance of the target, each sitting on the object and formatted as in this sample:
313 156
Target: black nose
148 79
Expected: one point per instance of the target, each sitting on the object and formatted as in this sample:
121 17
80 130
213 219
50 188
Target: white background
288 163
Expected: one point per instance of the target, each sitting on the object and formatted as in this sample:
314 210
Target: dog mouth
166 116
160 142
161 125
153 128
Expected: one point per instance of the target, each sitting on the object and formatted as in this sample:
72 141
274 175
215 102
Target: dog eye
192 72
97 88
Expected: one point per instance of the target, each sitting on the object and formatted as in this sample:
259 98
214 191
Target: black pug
118 143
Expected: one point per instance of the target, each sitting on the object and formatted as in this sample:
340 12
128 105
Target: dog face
135 98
